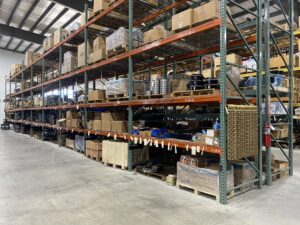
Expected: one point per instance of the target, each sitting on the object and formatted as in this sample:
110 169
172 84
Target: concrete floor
43 184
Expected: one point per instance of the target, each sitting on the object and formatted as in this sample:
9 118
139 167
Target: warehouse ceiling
25 23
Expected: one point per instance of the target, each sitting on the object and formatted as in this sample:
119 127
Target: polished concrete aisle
42 184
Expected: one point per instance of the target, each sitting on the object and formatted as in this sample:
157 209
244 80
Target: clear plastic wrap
205 179
120 86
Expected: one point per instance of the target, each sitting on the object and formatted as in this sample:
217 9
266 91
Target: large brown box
100 5
58 34
106 125
282 131
178 85
97 95
15 68
183 19
119 126
91 125
108 116
48 43
94 145
72 123
99 49
70 143
155 34
31 57
97 125
81 54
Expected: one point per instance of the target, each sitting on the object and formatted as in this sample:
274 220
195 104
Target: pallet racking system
141 14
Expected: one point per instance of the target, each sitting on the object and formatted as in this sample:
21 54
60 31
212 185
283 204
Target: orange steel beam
158 13
204 99
174 143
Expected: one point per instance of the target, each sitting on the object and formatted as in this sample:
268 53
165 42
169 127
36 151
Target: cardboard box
98 55
70 143
183 19
81 54
97 116
108 116
155 34
97 125
212 141
31 57
72 123
230 58
119 126
106 125
94 145
70 62
48 43
179 85
59 35
91 125
71 115
282 131
100 5
213 133
97 95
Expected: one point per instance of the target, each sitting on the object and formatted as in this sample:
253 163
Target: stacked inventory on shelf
143 75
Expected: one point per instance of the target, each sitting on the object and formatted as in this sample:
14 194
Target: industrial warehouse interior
168 112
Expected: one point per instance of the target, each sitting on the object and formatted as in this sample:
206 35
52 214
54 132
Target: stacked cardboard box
99 50
97 95
81 54
31 57
155 34
116 153
100 5
114 122
70 143
72 120
281 131
203 13
94 149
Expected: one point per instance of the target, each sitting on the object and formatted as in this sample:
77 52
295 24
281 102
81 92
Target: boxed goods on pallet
70 143
109 116
280 131
72 120
230 58
97 95
15 68
156 33
194 161
48 43
81 54
79 143
116 153
119 39
183 19
59 34
37 101
202 179
70 62
106 125
242 131
178 85
100 5
243 172
99 49
120 86
31 57
94 145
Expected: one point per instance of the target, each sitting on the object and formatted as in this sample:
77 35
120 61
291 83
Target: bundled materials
99 49
119 39
59 34
79 143
70 62
97 95
81 54
243 172
116 153
94 149
120 86
202 179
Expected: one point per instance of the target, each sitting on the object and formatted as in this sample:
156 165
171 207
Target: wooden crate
94 154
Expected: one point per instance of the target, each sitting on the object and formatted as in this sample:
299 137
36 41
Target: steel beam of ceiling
21 34
77 5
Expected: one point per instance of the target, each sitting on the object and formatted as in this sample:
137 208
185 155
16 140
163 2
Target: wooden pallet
194 92
197 191
117 99
115 166
97 101
148 96
116 51
154 175
94 154
69 147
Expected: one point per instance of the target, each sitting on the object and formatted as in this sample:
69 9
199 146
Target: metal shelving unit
143 59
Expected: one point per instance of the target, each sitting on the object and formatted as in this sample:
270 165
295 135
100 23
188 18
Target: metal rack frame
225 45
